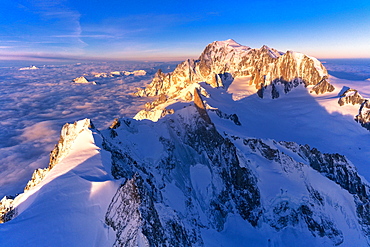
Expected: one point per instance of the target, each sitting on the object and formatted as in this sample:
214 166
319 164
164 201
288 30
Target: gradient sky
174 30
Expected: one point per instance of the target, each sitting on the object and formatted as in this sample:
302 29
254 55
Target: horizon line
36 58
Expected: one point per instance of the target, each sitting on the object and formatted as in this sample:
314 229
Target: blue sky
174 30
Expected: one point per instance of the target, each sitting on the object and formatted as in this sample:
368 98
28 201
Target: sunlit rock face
221 61
352 96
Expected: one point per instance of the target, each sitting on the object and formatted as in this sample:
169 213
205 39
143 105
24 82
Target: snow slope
68 206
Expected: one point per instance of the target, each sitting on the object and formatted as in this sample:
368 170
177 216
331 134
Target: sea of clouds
35 104
349 69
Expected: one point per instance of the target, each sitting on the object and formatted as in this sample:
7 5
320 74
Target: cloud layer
35 104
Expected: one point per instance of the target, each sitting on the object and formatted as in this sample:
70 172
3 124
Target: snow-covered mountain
221 61
197 172
269 73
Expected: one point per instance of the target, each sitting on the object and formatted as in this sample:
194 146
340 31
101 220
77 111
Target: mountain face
194 177
352 96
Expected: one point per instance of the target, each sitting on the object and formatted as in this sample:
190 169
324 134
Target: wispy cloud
134 25
44 26
97 36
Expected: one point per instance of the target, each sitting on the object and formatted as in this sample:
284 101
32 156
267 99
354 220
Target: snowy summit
83 80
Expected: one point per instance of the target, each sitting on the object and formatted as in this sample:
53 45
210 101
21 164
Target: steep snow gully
198 166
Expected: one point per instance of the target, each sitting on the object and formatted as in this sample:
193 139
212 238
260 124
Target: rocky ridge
352 96
67 137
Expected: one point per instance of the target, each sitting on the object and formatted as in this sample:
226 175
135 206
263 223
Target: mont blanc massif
241 147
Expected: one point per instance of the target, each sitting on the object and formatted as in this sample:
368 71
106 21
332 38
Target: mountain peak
272 73
271 51
230 43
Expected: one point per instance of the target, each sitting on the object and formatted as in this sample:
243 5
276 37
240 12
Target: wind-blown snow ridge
71 199
68 136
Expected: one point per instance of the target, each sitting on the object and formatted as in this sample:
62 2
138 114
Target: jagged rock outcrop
337 168
363 116
322 87
124 216
198 102
233 117
221 61
7 211
195 146
352 96
284 213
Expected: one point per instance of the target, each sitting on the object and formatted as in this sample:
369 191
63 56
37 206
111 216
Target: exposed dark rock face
7 212
239 182
352 96
133 216
233 117
322 87
140 197
221 61
363 116
116 123
285 213
274 92
338 169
